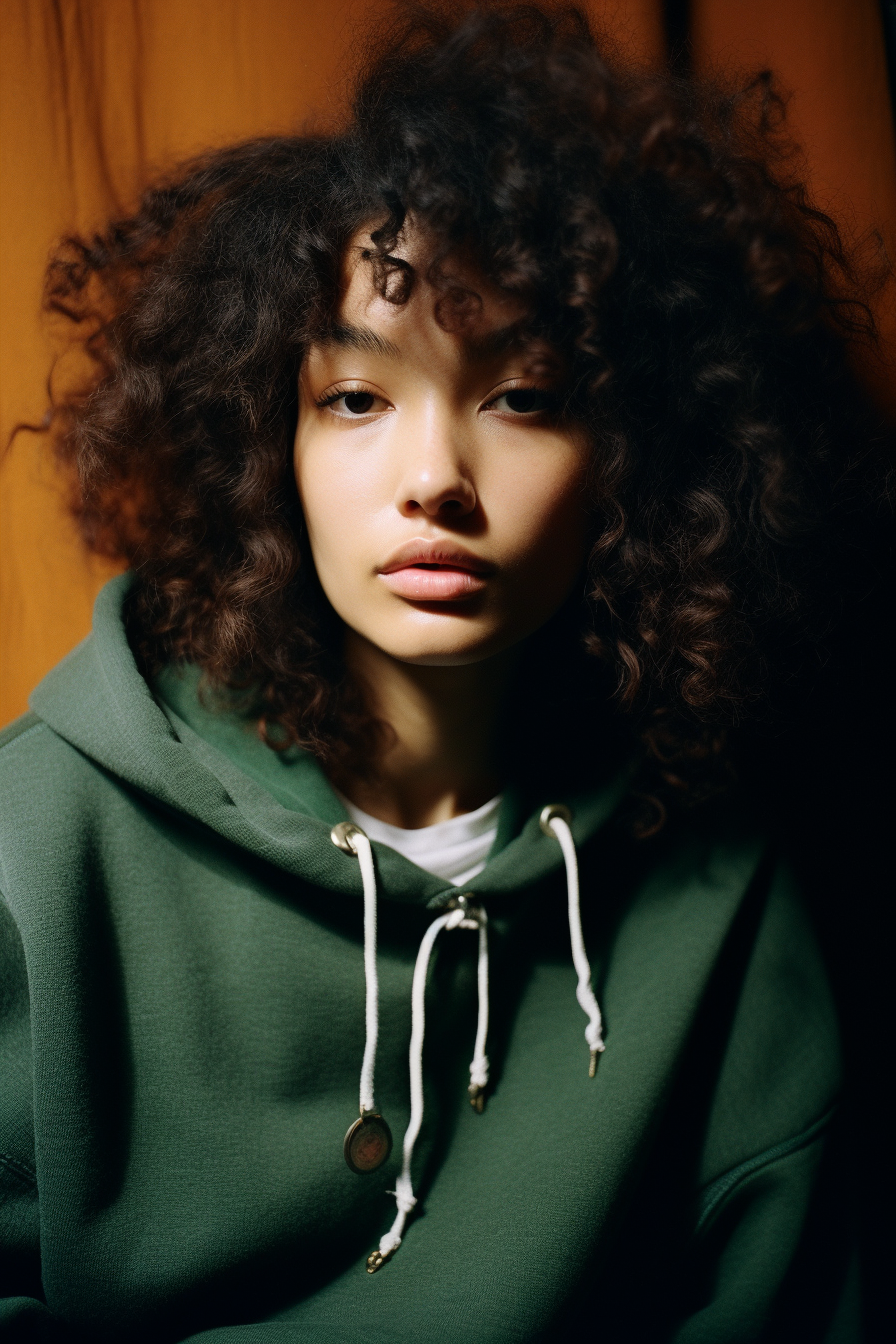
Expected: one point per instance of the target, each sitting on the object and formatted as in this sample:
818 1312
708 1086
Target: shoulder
770 1007
30 758
30 750
47 789
724 920
24 726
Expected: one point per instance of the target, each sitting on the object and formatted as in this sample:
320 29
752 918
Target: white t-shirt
456 850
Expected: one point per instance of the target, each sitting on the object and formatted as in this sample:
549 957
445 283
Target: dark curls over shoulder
653 227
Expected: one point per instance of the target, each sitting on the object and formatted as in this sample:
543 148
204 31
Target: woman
471 464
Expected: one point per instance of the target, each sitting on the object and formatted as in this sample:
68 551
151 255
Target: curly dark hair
655 231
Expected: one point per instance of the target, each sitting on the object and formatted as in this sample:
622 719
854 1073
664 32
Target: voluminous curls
653 228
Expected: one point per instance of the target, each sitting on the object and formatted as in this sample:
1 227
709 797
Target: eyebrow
348 337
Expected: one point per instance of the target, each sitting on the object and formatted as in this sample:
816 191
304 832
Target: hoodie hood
213 768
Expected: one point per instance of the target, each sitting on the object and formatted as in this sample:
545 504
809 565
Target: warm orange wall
829 56
99 93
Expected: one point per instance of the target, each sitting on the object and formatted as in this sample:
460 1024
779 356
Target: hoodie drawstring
371 979
351 839
555 821
368 1143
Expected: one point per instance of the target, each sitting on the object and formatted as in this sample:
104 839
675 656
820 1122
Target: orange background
98 94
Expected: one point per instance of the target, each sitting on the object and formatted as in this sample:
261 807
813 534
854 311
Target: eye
357 403
524 401
352 403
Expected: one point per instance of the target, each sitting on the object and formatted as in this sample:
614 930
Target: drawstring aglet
376 1260
592 1067
390 1242
477 1097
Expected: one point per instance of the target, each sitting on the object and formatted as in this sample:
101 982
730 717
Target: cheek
544 509
332 499
316 501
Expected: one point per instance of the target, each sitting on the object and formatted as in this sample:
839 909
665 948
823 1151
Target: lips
434 571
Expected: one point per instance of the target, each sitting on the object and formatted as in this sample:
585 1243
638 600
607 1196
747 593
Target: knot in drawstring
555 822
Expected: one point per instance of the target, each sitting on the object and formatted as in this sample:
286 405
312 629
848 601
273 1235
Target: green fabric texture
182 1026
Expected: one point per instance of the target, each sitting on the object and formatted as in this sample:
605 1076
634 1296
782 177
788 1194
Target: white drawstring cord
461 918
479 1066
554 822
352 840
372 987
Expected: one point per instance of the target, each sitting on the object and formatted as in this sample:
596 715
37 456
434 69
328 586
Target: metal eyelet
547 816
343 834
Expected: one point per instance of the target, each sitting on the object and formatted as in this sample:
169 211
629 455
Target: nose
436 480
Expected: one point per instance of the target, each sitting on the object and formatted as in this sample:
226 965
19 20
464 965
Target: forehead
461 309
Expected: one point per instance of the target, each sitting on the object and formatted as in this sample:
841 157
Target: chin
450 649
442 657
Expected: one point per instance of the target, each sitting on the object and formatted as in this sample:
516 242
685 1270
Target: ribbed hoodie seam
717 1192
20 1170
17 732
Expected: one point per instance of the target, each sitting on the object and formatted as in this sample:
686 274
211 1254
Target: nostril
455 506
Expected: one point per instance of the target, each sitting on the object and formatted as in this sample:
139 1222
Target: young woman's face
442 494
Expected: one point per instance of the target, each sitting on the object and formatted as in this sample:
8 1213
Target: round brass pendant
367 1144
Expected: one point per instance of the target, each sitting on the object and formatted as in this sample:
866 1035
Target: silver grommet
343 835
548 814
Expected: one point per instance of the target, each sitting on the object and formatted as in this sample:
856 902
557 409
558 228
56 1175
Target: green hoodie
182 1019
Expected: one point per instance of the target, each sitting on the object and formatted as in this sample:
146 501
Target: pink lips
434 571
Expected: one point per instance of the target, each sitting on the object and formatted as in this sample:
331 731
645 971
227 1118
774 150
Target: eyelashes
527 401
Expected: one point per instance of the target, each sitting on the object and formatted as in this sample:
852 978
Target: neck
439 755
